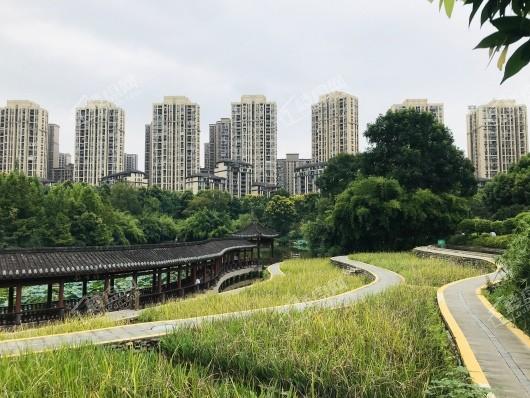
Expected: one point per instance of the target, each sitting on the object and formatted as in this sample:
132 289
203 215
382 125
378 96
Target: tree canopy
416 150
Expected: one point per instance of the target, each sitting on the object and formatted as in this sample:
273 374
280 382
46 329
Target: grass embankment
391 344
104 372
304 280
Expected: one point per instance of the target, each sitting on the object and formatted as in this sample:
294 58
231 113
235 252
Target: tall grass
390 345
104 372
304 280
309 279
420 271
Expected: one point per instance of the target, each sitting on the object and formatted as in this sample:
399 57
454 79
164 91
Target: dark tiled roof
64 262
256 230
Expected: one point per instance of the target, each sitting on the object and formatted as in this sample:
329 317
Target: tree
203 224
508 193
340 171
280 213
510 29
368 214
417 151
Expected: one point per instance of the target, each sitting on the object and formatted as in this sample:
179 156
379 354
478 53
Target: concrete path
383 279
500 355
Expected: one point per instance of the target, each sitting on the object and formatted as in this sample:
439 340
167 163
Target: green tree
510 20
508 194
21 210
203 224
368 213
340 171
280 213
417 151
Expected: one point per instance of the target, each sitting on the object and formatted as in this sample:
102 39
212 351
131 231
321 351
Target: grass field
304 280
391 344
103 372
419 271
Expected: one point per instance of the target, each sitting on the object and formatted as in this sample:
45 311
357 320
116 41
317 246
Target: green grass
392 344
304 280
420 271
104 372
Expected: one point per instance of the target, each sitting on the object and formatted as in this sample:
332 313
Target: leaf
476 6
519 59
502 58
513 25
497 39
449 6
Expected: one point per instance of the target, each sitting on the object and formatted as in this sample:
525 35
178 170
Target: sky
62 53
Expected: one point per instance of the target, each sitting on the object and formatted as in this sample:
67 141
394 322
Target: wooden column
153 284
136 292
106 288
159 286
111 283
11 299
85 287
60 304
18 305
272 249
49 295
179 276
168 277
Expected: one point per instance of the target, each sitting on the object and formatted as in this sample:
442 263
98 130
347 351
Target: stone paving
383 280
503 357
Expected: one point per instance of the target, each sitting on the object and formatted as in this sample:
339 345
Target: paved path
383 280
502 356
225 277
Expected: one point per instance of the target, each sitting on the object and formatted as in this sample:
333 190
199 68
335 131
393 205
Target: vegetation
304 280
390 345
420 271
511 295
106 372
510 20
507 194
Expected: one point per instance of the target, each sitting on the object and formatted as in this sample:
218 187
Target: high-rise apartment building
306 177
53 149
219 147
131 162
254 136
24 138
64 159
174 143
147 151
422 105
99 141
497 136
237 176
334 126
286 171
207 158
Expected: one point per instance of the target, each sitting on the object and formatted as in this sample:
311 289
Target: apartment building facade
99 141
334 126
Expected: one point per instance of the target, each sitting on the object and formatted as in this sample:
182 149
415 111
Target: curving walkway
383 279
493 353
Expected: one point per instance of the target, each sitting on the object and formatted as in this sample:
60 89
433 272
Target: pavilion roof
256 230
